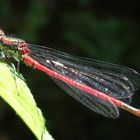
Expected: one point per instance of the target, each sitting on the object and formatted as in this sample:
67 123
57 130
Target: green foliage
15 92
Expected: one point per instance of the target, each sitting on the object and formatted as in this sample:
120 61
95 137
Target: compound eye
2 33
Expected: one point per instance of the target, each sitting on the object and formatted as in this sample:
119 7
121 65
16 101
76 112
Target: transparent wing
114 80
105 108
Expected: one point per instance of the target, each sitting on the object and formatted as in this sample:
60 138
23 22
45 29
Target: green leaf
15 92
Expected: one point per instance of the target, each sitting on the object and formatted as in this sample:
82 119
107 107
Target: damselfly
101 86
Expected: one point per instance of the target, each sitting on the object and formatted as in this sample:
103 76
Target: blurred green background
105 30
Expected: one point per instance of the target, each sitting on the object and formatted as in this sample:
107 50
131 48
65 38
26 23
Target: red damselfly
101 86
